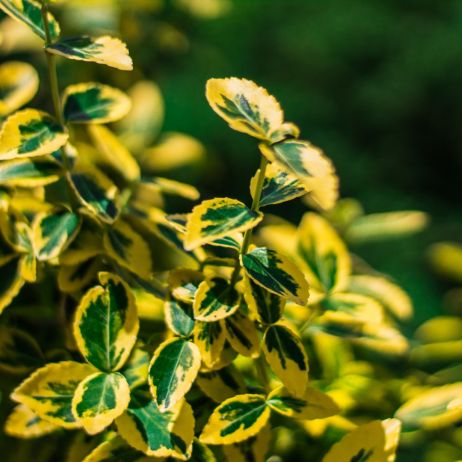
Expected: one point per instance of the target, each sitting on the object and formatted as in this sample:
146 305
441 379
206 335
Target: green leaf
264 305
327 263
221 384
128 249
136 368
53 233
278 186
19 351
97 193
179 318
29 173
254 449
99 399
18 85
29 12
172 371
276 273
183 284
106 323
214 300
313 405
309 164
248 108
433 409
210 337
159 434
242 334
94 103
102 50
217 218
24 423
236 419
49 391
374 441
286 355
30 133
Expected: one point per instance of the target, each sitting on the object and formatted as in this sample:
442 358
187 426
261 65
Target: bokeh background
376 84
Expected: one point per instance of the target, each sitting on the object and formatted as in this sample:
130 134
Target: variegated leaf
216 218
248 108
24 423
254 449
29 12
214 300
128 248
326 260
210 337
29 173
94 103
278 186
313 405
276 273
102 50
106 323
179 317
72 278
99 399
172 371
286 355
18 85
242 334
88 244
97 193
265 306
376 441
53 233
158 434
183 284
49 390
114 153
11 280
395 300
221 384
136 368
309 164
30 133
236 419
433 409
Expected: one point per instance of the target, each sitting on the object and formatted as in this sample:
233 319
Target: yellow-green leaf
114 153
210 337
313 405
52 233
327 263
18 85
29 12
24 423
128 248
49 390
254 449
106 323
99 399
215 218
72 278
278 186
376 441
29 173
94 103
179 317
236 419
221 384
136 368
215 299
102 50
172 371
183 284
176 188
159 434
242 334
309 164
286 355
30 133
433 409
276 273
246 107
11 280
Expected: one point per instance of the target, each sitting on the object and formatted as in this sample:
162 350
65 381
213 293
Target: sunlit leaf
254 449
242 334
24 423
11 281
215 218
210 337
222 383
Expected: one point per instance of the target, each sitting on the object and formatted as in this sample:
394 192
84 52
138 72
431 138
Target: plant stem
255 207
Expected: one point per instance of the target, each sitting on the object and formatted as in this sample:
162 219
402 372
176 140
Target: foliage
237 335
